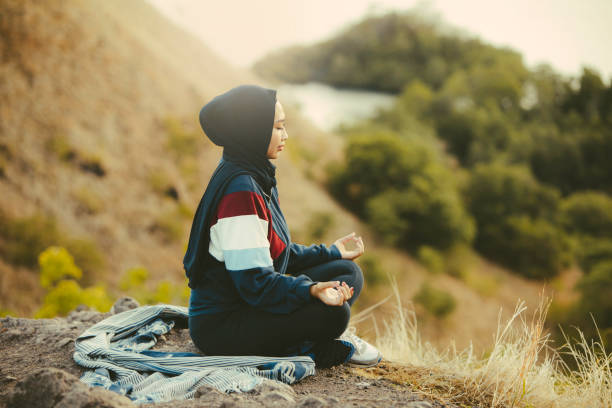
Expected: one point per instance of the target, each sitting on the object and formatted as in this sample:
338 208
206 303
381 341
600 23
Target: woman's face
279 133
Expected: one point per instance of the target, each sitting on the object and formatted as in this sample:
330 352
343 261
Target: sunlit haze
565 34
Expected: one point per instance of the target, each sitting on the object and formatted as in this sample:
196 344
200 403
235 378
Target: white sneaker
365 353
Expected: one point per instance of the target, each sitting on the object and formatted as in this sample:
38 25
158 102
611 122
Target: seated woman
253 291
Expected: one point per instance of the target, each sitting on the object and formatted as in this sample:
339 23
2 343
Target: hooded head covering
241 121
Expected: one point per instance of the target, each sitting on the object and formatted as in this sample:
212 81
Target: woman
253 291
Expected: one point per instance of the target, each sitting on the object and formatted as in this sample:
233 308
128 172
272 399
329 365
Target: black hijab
241 121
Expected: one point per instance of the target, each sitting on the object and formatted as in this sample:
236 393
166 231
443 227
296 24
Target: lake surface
327 106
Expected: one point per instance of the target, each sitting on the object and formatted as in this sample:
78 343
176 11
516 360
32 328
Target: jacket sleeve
302 257
239 237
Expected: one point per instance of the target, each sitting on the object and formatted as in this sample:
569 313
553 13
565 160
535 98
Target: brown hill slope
85 89
98 79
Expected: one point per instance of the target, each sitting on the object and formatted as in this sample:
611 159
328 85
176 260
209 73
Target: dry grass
522 368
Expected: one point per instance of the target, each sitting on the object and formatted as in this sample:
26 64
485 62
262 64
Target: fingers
328 284
347 237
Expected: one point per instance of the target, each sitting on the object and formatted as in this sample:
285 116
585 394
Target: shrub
436 301
422 215
596 290
592 251
588 213
134 278
89 201
517 220
56 264
60 146
432 259
402 188
57 274
61 299
179 140
170 224
25 238
87 255
535 249
372 270
320 223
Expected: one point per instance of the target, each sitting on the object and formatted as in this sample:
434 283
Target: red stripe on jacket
248 203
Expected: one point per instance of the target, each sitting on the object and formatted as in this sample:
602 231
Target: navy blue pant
249 331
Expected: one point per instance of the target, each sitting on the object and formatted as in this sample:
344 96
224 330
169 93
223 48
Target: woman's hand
346 254
332 293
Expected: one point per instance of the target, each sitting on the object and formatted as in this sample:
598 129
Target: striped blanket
116 350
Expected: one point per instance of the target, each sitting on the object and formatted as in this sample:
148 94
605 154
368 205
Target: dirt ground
28 345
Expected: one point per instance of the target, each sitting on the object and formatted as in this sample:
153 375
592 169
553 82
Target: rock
123 304
276 397
274 392
268 386
312 402
63 342
363 384
86 316
54 388
420 404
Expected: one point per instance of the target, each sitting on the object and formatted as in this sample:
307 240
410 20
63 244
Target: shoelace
359 344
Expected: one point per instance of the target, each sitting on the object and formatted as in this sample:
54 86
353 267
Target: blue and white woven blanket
116 350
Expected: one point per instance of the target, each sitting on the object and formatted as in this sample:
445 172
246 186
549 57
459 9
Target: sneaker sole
366 364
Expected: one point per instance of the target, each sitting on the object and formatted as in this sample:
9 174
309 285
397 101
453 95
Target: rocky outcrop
37 370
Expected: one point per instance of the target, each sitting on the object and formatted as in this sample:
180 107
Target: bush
422 215
517 220
535 249
135 283
170 225
436 301
25 238
402 189
89 201
181 141
592 251
319 225
596 290
60 146
432 259
57 268
371 268
134 278
588 213
56 264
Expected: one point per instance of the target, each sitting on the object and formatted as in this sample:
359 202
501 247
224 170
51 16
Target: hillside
86 93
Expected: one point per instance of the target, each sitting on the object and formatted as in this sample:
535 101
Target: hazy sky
566 34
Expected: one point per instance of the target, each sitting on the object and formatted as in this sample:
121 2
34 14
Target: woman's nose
285 134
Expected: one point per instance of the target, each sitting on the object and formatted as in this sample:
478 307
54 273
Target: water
327 106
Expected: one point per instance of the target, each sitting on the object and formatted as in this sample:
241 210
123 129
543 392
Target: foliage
436 301
431 258
180 140
24 238
134 278
588 213
402 190
59 275
517 220
591 251
595 288
135 282
89 200
56 263
170 225
373 272
319 225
